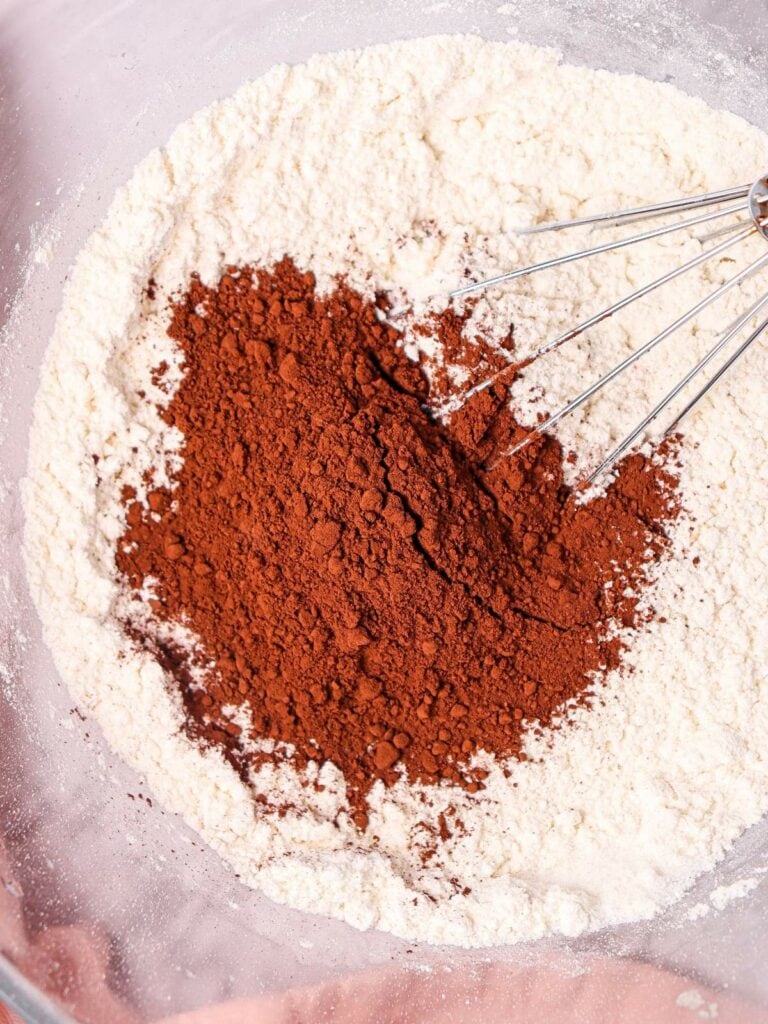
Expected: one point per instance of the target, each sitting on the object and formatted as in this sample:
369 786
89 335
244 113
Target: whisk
753 219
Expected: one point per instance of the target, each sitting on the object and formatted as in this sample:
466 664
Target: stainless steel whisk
754 219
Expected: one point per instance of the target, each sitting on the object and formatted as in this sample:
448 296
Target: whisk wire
640 293
604 314
644 212
585 395
672 394
757 333
729 229
757 222
581 254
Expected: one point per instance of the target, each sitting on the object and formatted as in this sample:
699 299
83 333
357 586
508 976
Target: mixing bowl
111 909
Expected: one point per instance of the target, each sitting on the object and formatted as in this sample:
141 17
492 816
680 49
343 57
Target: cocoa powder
355 573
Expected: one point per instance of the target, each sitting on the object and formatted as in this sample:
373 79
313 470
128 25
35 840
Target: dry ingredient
627 794
355 576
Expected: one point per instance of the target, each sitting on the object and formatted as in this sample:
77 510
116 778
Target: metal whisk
754 219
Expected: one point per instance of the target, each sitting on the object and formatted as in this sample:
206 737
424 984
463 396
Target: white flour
400 167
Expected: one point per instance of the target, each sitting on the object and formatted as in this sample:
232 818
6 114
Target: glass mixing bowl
107 904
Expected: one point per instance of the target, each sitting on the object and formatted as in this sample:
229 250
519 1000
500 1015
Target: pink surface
71 965
612 993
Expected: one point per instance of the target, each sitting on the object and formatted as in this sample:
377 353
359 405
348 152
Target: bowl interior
88 89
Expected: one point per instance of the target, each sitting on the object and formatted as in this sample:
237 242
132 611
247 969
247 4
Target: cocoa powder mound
355 573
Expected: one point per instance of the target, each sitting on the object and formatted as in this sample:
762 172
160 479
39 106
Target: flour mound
405 169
